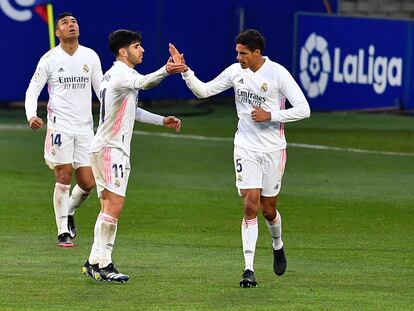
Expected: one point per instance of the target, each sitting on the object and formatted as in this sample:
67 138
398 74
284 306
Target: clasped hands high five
176 62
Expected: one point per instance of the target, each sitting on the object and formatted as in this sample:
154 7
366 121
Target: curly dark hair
252 39
122 38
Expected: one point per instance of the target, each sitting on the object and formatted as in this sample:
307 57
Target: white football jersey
69 79
118 95
268 88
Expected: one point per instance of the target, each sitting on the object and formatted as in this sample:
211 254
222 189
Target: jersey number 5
238 166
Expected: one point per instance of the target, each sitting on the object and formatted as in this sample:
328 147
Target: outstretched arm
144 116
199 88
145 82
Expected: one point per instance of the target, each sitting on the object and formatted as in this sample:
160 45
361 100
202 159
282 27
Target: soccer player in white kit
69 70
110 149
261 88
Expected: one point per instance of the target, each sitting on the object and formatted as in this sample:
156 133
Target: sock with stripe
250 232
275 229
107 233
77 197
95 250
60 204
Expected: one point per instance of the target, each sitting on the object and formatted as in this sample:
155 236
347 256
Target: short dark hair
63 15
252 39
122 38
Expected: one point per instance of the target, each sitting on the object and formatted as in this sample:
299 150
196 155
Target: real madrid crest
117 183
264 87
85 68
53 151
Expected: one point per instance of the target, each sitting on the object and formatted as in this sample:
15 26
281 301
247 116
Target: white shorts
111 169
63 148
259 170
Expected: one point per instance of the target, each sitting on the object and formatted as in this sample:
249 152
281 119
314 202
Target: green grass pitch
348 222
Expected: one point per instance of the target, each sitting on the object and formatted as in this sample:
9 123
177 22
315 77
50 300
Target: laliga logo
13 13
315 67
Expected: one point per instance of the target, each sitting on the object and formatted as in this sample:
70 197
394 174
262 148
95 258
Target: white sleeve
300 107
202 90
143 82
36 85
144 116
96 75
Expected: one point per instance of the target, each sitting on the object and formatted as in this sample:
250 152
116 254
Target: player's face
245 57
67 28
135 53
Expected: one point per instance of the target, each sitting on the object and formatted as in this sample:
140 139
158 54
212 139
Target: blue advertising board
353 63
203 30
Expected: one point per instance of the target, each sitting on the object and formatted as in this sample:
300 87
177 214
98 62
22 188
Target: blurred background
349 54
205 32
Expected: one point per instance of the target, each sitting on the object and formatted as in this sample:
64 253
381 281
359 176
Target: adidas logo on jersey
241 81
61 70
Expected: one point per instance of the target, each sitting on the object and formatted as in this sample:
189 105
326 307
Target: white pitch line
14 127
23 127
184 136
305 146
322 147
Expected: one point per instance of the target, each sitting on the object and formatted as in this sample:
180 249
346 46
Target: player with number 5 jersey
261 88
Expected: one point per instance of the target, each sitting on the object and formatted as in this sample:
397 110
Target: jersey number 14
56 139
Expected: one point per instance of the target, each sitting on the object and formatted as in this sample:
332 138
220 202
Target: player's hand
35 123
176 56
172 122
175 67
260 115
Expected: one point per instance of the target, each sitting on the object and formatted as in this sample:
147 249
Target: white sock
275 228
77 197
60 203
107 235
250 232
95 250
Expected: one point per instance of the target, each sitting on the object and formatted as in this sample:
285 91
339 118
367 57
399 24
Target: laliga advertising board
353 63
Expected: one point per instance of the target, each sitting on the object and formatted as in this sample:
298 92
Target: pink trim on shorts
107 165
281 124
119 117
48 141
283 161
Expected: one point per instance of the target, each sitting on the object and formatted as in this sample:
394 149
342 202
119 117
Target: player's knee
269 209
87 185
269 213
63 177
90 185
251 207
